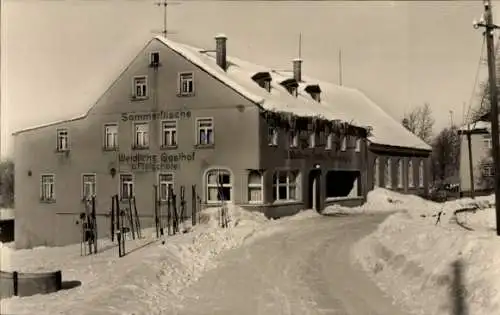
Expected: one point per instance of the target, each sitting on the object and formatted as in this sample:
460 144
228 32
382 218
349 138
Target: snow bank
482 220
423 256
382 200
146 281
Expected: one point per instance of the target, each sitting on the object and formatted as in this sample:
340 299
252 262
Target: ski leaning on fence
89 227
223 212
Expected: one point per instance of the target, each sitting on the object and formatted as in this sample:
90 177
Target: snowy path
306 270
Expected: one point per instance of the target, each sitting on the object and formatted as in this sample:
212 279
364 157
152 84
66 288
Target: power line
476 79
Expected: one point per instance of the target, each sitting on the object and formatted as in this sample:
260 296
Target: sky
58 56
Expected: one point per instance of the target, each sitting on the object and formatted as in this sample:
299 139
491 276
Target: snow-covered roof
337 102
478 125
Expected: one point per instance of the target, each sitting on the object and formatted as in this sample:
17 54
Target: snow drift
436 265
148 280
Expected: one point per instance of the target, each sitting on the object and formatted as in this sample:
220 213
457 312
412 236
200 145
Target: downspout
367 168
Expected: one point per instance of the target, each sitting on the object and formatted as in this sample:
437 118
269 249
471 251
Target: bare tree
484 103
420 122
446 154
7 184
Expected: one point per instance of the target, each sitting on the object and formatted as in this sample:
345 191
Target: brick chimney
297 70
220 51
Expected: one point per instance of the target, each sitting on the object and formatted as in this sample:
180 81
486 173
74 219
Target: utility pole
487 23
471 165
1 103
451 118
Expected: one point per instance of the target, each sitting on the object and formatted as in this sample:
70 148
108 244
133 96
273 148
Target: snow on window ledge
330 199
285 202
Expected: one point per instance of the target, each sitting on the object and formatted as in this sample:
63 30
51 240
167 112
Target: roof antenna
164 3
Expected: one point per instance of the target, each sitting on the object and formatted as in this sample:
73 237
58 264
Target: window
110 136
312 139
62 140
47 188
321 139
88 186
165 184
255 187
272 136
154 59
126 186
292 90
400 173
285 185
140 87
388 173
487 170
329 141
411 182
219 185
376 172
186 84
487 142
141 135
358 144
343 144
169 133
205 131
421 174
293 140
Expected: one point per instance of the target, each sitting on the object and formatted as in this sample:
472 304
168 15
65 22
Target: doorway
314 190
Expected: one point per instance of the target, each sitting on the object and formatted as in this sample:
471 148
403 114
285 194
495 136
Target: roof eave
387 147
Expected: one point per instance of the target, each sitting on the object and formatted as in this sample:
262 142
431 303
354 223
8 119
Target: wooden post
119 227
193 205
157 223
94 225
130 217
169 211
490 27
175 215
112 219
471 165
183 205
88 232
137 221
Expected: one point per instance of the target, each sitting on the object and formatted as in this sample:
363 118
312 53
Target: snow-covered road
306 270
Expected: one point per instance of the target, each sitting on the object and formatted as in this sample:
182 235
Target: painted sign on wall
155 162
161 115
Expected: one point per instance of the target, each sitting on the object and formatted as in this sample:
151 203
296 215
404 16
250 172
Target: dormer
263 79
291 85
315 91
